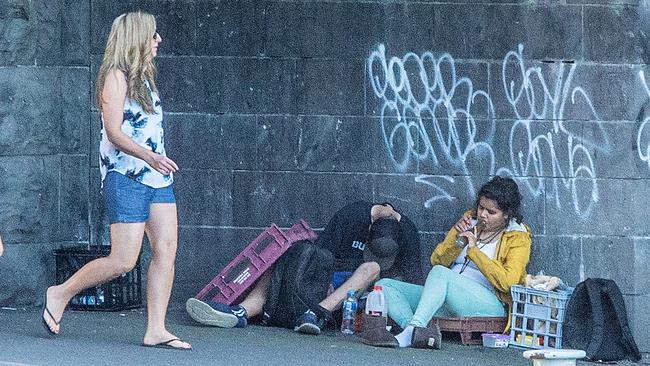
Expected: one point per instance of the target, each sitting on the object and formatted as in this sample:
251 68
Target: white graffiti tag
533 99
428 115
642 135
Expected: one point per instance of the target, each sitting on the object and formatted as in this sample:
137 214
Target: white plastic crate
537 317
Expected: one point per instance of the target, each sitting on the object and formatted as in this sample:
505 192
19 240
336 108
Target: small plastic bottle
100 296
349 313
376 303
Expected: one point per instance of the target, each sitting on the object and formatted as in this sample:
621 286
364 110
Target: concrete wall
281 110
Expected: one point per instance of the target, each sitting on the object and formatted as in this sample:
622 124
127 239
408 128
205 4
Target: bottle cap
351 292
377 288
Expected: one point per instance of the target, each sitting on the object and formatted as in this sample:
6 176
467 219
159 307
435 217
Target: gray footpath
278 110
97 338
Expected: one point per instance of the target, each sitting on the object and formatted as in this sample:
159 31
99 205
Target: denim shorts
128 201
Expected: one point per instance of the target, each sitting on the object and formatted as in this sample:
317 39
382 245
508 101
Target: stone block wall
44 140
281 110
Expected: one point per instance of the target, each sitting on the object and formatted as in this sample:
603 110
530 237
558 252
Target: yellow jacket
507 269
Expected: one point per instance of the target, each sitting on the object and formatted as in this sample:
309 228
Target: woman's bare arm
113 97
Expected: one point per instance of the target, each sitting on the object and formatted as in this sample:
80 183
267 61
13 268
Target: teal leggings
445 293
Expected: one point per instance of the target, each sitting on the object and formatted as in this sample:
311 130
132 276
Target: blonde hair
128 49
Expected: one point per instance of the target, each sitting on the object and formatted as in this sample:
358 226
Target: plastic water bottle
349 313
100 296
376 303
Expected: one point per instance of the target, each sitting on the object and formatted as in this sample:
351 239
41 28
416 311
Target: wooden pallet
470 329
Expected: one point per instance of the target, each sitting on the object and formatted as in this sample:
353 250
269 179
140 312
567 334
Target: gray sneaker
205 314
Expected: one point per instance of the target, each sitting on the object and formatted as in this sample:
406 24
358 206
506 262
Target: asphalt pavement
114 338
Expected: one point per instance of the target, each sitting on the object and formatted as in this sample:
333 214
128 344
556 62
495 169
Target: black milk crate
123 292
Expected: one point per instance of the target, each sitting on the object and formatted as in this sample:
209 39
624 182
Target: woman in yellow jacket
470 277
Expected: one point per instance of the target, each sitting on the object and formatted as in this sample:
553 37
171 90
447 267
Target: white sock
406 337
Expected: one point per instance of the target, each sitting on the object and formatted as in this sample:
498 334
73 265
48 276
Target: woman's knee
439 272
122 264
164 250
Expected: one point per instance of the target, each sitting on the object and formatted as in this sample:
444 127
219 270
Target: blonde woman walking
137 179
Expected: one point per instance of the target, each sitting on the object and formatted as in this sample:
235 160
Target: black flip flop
46 310
167 345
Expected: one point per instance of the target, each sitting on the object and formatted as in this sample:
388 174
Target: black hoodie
346 235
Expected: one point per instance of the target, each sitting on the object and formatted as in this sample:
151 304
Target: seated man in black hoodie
368 241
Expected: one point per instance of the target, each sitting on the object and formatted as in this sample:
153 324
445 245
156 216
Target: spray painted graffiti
642 137
427 110
422 121
531 166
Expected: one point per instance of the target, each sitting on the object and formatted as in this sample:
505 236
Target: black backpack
596 322
300 280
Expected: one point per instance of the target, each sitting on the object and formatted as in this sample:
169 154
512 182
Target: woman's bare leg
126 240
162 231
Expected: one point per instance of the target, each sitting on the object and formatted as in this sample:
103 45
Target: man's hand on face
381 211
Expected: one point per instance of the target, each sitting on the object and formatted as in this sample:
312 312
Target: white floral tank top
147 131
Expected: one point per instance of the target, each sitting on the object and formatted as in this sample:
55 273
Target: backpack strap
616 300
593 292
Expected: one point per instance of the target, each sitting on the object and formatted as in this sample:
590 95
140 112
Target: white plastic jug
376 303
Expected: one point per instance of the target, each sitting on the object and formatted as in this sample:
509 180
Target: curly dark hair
505 192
